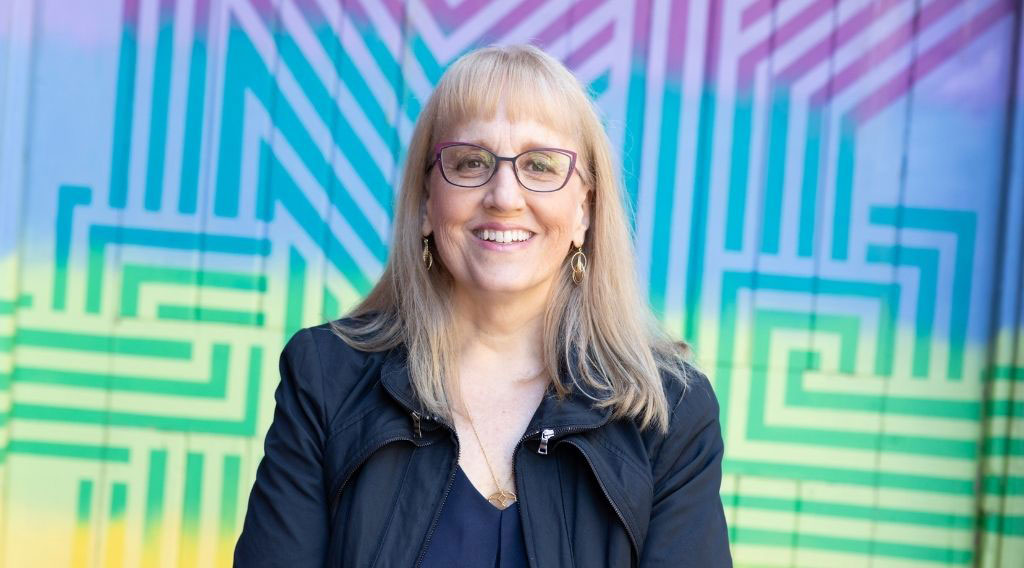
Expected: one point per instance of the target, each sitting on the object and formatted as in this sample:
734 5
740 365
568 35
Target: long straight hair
599 336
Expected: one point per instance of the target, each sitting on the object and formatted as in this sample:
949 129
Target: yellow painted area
114 545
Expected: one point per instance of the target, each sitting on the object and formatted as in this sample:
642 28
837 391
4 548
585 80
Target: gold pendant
502 499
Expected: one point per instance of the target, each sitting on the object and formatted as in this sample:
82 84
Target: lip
501 227
491 245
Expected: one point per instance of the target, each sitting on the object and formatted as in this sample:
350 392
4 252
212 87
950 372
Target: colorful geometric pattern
828 198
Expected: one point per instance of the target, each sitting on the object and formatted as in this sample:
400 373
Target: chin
502 286
499 281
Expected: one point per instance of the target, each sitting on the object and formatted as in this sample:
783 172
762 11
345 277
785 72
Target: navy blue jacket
355 473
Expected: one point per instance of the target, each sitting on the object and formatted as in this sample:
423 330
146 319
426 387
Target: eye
473 162
538 164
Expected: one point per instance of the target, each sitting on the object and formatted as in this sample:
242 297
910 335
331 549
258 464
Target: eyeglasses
537 169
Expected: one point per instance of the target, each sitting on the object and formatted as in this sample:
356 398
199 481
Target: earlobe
426 228
583 221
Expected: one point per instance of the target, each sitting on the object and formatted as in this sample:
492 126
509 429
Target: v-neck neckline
480 496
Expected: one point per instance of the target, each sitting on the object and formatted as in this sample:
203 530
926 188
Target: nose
503 190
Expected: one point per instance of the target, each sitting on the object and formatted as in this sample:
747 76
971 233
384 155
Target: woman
506 354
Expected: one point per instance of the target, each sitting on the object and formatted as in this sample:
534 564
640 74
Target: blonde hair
601 332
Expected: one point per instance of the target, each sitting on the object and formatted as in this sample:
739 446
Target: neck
507 329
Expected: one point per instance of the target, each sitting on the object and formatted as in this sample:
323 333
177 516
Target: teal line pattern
809 189
664 195
160 100
776 172
188 193
963 225
738 174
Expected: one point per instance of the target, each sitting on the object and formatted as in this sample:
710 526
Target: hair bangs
526 86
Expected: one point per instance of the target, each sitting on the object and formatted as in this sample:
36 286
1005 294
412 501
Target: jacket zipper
546 435
519 494
629 531
444 497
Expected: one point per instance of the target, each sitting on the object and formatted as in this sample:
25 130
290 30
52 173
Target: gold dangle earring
428 259
579 265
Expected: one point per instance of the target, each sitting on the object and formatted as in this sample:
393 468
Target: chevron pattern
826 198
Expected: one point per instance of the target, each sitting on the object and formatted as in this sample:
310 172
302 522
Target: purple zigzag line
839 37
755 11
510 20
397 10
311 11
870 59
357 13
202 17
451 18
130 17
929 60
796 24
641 29
577 58
266 10
561 24
712 42
674 58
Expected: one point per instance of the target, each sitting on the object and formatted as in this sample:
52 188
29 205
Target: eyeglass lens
537 170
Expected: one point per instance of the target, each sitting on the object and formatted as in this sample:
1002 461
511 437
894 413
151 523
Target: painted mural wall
829 205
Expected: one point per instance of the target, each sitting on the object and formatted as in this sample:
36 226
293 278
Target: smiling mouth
503 237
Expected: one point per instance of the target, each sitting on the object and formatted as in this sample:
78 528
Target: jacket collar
574 412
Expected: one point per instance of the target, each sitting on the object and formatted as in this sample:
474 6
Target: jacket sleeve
286 521
687 526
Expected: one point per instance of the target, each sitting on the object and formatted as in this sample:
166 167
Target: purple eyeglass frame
515 171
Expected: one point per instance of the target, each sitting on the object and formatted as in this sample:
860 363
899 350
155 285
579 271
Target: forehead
503 134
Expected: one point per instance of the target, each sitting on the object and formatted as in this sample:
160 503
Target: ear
426 227
583 219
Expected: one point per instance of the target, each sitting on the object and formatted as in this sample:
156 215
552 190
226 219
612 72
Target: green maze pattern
828 200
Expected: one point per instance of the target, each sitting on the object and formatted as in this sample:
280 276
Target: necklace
502 498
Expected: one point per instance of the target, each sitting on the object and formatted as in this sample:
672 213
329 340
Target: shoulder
691 398
331 369
693 411
332 349
322 345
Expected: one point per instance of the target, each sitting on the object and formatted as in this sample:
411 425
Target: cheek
445 209
559 219
448 216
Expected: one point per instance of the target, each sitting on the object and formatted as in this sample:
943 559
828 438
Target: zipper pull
545 435
416 425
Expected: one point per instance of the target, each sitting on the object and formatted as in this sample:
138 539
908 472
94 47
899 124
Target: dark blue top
473 533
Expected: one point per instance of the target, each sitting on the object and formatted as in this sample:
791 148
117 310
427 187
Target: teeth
503 236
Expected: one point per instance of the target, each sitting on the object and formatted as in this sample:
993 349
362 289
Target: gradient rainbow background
829 205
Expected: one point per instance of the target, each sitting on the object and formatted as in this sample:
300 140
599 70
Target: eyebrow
528 145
